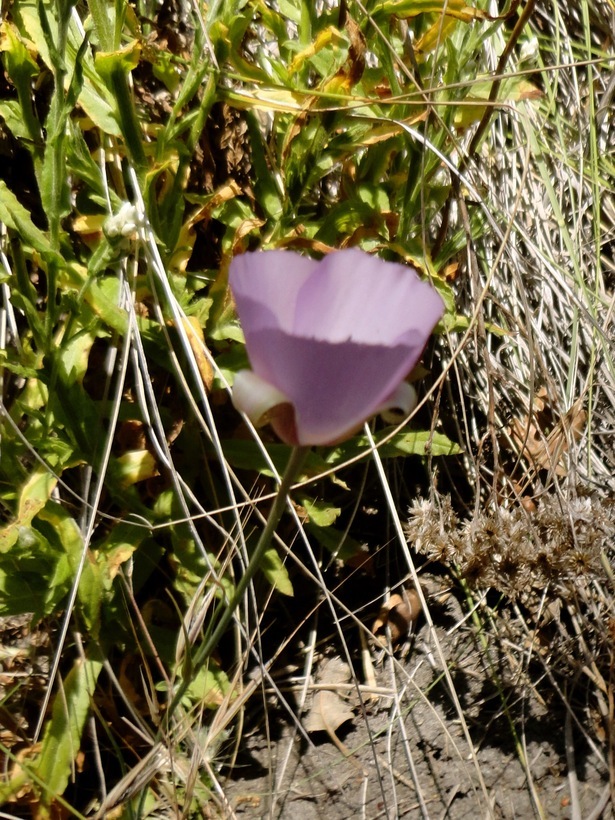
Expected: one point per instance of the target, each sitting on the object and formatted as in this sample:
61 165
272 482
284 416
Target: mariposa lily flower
330 343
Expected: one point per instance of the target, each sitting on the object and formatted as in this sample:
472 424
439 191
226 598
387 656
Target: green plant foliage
51 769
142 153
107 461
62 739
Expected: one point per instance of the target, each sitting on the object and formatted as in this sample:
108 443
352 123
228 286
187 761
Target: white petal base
404 400
256 397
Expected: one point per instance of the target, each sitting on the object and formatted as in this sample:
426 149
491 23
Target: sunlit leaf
413 443
134 466
275 572
33 496
412 8
320 513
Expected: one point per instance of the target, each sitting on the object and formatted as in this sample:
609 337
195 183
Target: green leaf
266 187
320 513
247 455
94 98
13 214
102 296
164 68
420 443
62 531
275 572
76 412
20 67
124 60
412 443
24 575
113 68
33 497
209 686
74 357
342 546
62 738
18 368
80 161
347 217
290 9
11 113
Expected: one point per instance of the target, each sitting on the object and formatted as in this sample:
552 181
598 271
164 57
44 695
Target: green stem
102 24
295 462
127 116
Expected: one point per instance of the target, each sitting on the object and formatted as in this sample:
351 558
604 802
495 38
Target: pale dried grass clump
515 550
540 587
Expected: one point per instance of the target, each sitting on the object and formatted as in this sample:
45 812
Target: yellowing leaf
12 44
435 35
117 557
513 89
33 497
74 357
194 332
451 8
268 99
89 223
135 466
126 59
324 38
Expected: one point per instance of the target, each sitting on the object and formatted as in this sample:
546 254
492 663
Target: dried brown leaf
329 709
398 614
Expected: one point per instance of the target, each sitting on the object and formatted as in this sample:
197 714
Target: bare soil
411 758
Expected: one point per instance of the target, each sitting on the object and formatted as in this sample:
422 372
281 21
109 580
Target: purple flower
330 342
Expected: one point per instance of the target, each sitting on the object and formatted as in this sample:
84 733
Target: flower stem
295 462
